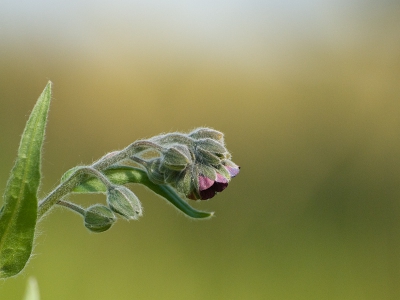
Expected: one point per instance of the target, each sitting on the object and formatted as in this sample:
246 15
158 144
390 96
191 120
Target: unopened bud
207 171
212 146
176 157
173 138
203 132
207 157
221 169
99 218
124 202
231 167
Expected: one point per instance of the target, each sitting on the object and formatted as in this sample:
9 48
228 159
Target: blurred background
307 94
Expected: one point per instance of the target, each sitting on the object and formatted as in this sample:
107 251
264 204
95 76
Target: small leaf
32 290
120 175
19 213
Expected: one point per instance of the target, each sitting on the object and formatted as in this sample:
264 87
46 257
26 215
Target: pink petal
205 183
232 170
221 178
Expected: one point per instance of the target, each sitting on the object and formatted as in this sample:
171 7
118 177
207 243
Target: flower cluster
196 164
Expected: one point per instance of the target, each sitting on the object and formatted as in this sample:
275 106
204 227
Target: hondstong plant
176 166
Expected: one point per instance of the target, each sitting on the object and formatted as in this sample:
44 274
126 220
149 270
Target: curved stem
129 151
60 191
95 169
67 186
72 206
99 175
139 160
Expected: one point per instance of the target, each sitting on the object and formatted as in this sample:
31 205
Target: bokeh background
307 93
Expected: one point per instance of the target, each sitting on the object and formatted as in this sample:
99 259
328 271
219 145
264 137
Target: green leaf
124 174
19 213
32 290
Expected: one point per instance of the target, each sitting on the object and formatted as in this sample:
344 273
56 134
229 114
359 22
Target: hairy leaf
19 213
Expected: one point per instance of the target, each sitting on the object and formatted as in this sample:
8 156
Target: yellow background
307 94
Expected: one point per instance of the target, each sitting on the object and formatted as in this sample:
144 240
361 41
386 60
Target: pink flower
208 187
233 170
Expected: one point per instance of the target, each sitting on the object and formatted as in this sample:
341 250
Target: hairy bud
176 157
173 138
123 201
206 157
196 164
212 146
203 132
99 218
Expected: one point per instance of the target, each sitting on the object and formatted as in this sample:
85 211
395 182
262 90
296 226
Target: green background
310 113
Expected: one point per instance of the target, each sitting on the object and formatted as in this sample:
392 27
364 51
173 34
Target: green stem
99 175
60 191
126 153
72 206
67 186
95 169
139 160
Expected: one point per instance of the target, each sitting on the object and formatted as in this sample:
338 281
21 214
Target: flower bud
207 181
212 146
99 218
203 132
124 202
207 171
221 169
207 187
173 138
231 167
206 157
176 157
196 164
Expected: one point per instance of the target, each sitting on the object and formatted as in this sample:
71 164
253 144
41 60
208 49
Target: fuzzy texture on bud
99 218
208 188
176 157
231 167
197 164
123 201
203 132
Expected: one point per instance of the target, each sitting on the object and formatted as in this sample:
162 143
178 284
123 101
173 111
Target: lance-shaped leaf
19 213
120 175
